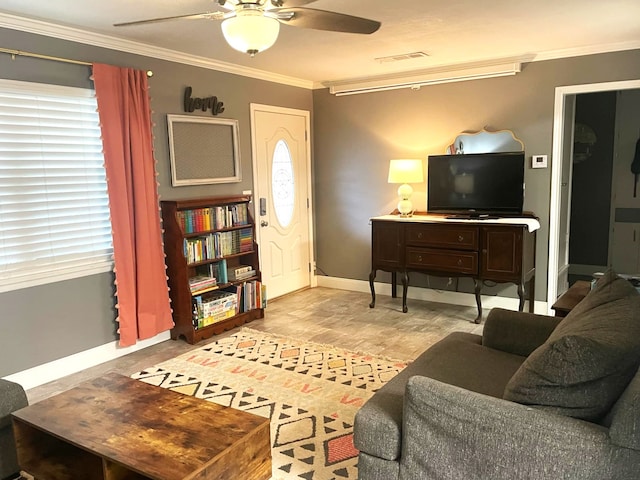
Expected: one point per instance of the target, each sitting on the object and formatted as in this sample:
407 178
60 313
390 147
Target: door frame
254 107
561 93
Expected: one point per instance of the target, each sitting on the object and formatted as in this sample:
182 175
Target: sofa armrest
519 333
452 433
12 398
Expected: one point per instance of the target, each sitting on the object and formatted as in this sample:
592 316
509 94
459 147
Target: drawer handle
419 234
460 238
460 262
420 258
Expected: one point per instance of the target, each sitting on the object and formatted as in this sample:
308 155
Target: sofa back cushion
589 359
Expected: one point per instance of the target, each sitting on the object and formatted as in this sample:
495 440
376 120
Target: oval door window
282 183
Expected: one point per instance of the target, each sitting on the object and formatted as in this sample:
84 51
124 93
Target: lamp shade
250 31
405 171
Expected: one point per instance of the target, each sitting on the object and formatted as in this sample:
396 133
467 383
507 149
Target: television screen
476 184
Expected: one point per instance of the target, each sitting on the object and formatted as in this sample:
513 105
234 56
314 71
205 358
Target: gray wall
355 136
52 321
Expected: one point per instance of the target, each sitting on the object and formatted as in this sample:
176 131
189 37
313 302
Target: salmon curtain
140 277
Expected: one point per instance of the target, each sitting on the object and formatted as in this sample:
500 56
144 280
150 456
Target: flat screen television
476 185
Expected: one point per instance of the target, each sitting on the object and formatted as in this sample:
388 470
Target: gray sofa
534 397
12 398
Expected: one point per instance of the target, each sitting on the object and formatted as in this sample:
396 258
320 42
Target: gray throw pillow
590 357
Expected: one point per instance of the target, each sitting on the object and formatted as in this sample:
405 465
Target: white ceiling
451 32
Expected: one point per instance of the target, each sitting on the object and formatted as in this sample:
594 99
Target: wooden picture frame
203 150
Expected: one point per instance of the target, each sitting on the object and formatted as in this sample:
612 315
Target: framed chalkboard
203 150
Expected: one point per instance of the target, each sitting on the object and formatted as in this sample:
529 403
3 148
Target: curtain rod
13 54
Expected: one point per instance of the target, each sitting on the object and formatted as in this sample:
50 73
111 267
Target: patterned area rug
310 392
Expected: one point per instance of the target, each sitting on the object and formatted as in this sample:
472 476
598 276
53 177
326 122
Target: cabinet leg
394 282
532 293
521 296
372 277
405 287
478 289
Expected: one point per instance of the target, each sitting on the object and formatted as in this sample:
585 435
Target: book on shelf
249 295
239 269
212 218
218 244
222 271
201 282
235 274
213 307
263 295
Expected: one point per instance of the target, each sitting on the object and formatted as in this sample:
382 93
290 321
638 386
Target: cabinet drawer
440 260
443 236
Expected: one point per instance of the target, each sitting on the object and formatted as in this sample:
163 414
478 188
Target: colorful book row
217 245
213 218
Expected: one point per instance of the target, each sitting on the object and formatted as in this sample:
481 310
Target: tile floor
322 315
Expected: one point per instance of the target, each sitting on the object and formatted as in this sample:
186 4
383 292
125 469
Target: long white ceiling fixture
426 77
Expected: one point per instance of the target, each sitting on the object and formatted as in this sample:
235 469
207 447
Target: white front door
282 185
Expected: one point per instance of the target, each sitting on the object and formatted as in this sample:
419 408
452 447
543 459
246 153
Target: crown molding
588 50
62 32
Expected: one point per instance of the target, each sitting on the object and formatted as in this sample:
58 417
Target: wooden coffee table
117 428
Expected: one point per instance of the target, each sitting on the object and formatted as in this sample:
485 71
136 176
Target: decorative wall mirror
485 141
203 150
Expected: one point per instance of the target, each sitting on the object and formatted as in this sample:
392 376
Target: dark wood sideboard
481 250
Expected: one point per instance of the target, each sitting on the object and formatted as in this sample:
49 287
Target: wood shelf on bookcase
180 270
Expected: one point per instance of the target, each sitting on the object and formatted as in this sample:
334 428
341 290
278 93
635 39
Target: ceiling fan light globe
250 31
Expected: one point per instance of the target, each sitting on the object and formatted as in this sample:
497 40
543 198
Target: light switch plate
539 161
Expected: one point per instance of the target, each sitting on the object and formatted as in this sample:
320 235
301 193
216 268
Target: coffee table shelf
117 428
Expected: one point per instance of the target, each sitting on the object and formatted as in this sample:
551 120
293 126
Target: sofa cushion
588 360
458 359
624 419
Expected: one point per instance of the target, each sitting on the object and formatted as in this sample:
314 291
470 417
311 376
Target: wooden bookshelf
204 238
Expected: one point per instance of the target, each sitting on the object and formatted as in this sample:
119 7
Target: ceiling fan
253 26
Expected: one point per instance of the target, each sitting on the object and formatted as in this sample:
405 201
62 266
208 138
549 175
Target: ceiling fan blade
193 16
290 3
323 20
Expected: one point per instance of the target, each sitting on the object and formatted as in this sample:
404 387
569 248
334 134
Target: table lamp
405 171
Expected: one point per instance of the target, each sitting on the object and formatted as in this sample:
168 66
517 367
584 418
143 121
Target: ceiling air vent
402 56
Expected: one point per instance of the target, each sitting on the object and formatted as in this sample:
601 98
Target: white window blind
54 211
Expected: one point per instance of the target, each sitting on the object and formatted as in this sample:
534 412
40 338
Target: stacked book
240 272
214 307
201 282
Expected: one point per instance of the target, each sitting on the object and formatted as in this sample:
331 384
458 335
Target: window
283 183
54 209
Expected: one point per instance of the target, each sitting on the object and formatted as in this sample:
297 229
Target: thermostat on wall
539 161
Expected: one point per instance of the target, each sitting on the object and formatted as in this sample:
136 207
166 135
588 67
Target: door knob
264 223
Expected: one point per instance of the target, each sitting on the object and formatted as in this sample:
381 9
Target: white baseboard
62 367
429 294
